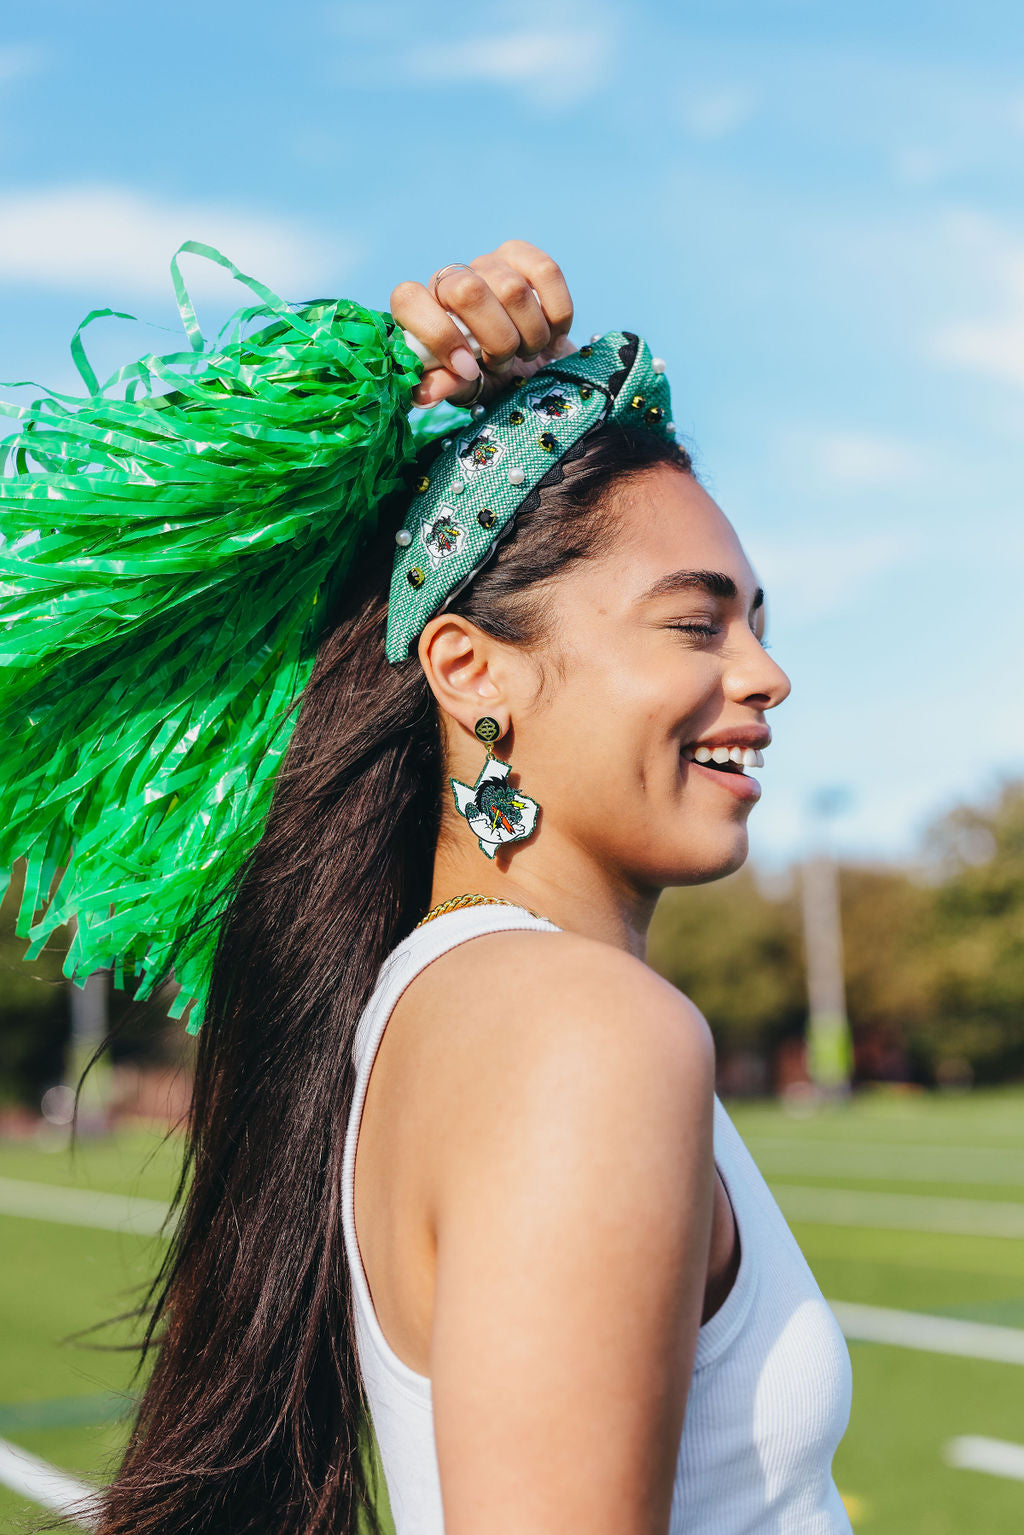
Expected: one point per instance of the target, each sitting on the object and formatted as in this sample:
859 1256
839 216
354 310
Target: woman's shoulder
511 1011
541 966
571 1198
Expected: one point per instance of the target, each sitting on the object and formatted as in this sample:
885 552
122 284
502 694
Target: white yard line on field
933 1334
42 1483
971 1452
81 1207
904 1212
818 1206
891 1163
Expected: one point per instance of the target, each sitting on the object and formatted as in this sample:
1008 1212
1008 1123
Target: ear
464 668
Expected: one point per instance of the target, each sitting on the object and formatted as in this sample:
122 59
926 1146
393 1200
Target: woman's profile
458 1187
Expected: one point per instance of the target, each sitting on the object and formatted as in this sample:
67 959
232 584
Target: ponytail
254 1421
253 1418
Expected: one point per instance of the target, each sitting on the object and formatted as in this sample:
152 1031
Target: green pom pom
163 545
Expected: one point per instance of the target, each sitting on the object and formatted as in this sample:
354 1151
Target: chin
701 865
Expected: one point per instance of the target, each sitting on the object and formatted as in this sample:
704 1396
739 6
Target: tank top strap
417 950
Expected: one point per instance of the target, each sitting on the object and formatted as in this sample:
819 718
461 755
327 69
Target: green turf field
943 1181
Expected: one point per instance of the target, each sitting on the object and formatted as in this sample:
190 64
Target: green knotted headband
467 500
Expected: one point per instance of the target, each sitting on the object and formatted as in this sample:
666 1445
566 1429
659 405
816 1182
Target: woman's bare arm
574 1200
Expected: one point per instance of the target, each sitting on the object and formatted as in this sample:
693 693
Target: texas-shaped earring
495 811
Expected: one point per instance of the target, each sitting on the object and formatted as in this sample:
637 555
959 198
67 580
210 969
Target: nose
753 677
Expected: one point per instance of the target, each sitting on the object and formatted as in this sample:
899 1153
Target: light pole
87 1006
829 1046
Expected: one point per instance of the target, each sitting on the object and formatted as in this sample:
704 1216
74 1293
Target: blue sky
814 212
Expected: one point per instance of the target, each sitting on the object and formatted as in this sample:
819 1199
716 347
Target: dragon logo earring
495 811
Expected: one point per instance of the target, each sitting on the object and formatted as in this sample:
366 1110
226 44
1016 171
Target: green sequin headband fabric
468 501
169 544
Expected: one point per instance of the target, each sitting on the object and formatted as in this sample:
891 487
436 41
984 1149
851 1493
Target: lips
729 777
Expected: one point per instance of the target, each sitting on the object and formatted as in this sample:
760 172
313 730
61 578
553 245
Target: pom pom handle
426 356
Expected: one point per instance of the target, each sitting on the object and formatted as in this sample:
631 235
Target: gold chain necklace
458 901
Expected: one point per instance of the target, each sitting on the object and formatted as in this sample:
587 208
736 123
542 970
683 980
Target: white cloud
715 114
551 57
867 458
992 344
995 347
807 579
112 241
551 67
19 60
916 165
851 459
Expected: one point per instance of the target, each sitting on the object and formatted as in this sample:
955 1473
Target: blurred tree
35 1018
977 950
934 955
934 964
738 954
34 1023
890 978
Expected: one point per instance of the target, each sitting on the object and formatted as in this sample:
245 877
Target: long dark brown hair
254 1418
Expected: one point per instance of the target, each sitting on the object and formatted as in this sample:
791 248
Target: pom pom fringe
164 544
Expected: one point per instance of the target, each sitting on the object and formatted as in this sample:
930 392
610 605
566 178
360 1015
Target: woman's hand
514 300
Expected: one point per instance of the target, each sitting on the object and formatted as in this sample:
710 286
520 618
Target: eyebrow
715 582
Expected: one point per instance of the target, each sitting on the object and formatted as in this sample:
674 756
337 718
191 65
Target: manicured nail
464 364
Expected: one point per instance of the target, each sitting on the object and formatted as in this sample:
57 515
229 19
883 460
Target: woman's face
654 662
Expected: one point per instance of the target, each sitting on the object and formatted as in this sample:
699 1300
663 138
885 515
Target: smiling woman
457 1173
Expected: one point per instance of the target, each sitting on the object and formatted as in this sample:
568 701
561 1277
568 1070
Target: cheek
607 684
596 728
623 708
640 684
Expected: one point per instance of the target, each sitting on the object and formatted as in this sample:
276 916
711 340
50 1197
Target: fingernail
464 364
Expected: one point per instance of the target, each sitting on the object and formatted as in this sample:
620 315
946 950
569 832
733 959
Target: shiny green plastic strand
163 545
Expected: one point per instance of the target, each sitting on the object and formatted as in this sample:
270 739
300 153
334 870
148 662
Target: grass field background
899 1201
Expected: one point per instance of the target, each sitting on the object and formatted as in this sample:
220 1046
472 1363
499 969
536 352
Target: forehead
666 521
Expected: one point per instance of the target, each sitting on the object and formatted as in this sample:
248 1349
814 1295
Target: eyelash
707 632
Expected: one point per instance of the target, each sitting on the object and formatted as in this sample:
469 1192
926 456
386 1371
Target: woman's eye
705 631
708 631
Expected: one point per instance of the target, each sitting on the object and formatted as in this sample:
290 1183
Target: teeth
743 756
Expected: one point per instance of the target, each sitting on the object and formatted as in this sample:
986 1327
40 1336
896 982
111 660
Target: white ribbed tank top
769 1399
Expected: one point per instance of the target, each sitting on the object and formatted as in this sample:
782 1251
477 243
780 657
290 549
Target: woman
458 1168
